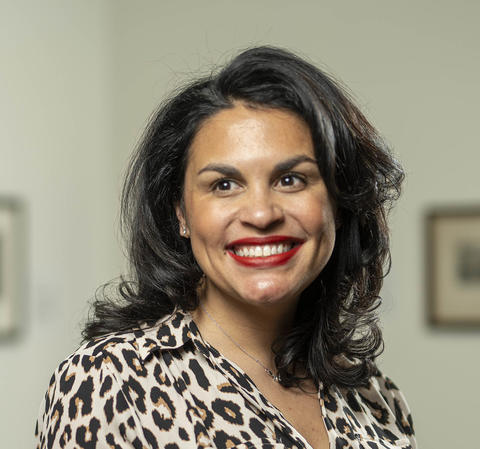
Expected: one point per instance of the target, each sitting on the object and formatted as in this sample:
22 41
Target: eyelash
294 175
218 182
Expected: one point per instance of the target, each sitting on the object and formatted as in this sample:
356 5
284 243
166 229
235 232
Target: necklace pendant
275 377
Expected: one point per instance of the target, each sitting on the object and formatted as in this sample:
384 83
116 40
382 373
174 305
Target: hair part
335 337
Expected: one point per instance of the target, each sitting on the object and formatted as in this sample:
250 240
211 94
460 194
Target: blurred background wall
78 80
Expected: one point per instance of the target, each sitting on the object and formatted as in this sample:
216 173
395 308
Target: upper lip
248 241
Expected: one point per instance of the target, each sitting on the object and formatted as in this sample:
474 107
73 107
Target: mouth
264 251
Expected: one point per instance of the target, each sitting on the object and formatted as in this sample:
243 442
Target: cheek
207 224
328 227
317 216
323 232
328 218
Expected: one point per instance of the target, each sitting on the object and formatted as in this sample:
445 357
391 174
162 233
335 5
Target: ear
182 222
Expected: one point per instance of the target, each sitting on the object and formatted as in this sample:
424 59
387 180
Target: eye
291 181
225 185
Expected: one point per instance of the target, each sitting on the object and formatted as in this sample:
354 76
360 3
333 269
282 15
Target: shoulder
378 410
101 386
71 404
382 390
121 353
87 373
110 352
127 349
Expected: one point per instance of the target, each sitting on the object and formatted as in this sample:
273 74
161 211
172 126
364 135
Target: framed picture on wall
453 266
11 265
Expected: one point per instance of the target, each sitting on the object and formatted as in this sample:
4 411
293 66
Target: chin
266 292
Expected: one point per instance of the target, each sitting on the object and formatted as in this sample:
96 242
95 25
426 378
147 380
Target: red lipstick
265 261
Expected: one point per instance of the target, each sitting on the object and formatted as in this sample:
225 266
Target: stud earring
184 230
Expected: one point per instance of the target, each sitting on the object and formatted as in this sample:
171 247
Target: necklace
275 377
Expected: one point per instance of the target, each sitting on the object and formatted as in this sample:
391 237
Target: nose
261 209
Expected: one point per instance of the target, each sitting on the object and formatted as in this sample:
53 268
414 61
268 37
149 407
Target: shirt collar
171 332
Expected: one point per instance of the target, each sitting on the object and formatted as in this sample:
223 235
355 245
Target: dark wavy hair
335 336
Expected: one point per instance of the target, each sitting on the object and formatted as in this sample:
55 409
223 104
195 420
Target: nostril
261 214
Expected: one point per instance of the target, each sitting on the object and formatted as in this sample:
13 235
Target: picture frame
453 267
12 266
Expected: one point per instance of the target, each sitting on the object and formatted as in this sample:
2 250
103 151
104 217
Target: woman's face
260 220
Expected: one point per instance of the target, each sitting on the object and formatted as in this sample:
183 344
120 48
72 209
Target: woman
256 214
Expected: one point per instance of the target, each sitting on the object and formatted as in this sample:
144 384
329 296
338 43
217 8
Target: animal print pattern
164 387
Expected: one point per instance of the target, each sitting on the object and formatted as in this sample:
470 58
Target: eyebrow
229 170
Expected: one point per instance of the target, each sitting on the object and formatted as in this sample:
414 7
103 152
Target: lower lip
264 262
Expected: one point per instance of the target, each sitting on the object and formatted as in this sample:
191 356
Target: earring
184 230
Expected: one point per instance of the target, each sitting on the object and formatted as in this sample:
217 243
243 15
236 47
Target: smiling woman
255 210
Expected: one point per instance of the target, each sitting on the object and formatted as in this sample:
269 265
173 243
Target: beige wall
56 154
84 77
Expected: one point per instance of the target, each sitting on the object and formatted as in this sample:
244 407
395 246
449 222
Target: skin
255 200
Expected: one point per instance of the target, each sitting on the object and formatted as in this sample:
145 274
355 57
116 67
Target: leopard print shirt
164 387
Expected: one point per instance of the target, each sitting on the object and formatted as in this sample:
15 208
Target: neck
229 323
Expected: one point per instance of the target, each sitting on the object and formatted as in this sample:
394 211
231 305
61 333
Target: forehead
246 134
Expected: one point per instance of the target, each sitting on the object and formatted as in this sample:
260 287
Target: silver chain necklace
275 377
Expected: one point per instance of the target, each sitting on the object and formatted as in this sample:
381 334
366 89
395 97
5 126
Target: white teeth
262 251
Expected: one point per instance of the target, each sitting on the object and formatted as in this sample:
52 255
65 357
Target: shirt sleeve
86 407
